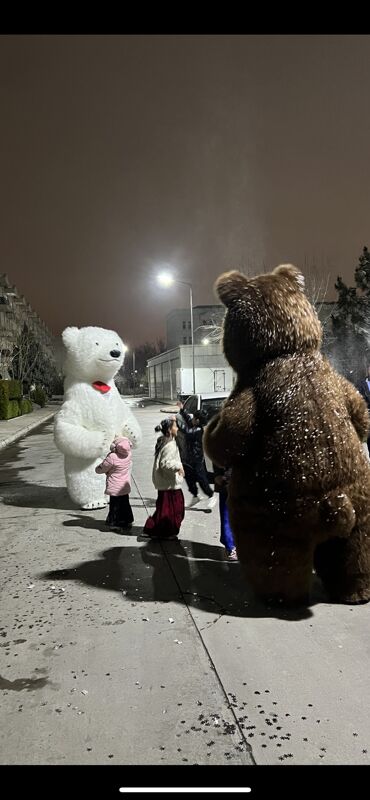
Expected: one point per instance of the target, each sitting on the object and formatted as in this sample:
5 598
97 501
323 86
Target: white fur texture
88 420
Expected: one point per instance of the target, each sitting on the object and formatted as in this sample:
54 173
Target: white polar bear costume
93 412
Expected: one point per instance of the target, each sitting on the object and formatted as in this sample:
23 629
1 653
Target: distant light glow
205 341
165 279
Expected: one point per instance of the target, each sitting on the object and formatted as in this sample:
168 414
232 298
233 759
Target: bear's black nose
115 353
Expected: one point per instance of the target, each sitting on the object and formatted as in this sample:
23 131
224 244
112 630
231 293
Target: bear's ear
70 336
292 272
229 286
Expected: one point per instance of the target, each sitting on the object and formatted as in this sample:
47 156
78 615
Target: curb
15 436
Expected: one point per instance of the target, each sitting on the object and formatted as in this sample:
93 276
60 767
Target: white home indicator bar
186 789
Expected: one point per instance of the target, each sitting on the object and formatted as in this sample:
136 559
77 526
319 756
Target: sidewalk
13 429
120 650
108 665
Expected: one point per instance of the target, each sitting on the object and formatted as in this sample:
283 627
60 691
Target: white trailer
207 379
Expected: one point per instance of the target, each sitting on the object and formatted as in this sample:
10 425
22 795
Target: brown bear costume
291 430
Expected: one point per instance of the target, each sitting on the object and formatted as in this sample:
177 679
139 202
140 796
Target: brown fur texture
291 430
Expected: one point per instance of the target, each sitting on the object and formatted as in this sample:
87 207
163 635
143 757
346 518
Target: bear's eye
97 344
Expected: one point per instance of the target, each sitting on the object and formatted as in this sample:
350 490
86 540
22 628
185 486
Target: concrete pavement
13 429
114 650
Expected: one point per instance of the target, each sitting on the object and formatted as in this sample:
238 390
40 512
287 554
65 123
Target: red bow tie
101 387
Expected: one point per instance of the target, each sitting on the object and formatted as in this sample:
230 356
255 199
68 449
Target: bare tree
25 356
316 284
30 363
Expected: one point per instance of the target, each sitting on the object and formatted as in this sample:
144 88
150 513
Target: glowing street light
205 341
165 279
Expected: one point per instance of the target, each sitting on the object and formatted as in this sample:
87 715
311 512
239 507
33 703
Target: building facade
15 311
207 321
170 373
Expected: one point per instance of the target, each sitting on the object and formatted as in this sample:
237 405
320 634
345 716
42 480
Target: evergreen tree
351 322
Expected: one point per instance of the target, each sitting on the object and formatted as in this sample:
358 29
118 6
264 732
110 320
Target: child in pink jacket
117 467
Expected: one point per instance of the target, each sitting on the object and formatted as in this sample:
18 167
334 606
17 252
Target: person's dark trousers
120 512
190 478
194 474
200 474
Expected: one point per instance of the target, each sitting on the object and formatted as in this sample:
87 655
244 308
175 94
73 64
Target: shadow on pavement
148 502
32 495
178 571
91 523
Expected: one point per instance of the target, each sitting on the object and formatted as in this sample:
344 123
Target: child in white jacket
167 477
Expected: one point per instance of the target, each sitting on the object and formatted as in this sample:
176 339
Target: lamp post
165 279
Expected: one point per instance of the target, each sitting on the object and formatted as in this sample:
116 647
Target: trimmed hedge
12 389
25 405
11 402
11 409
15 390
4 399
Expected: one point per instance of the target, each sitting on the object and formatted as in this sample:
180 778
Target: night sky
121 153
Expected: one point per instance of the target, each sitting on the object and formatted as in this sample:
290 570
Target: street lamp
205 341
166 280
133 372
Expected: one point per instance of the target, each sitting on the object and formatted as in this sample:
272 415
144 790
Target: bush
11 409
25 406
15 389
9 390
4 398
39 396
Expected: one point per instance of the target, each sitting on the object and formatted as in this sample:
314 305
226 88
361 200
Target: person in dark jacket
193 457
